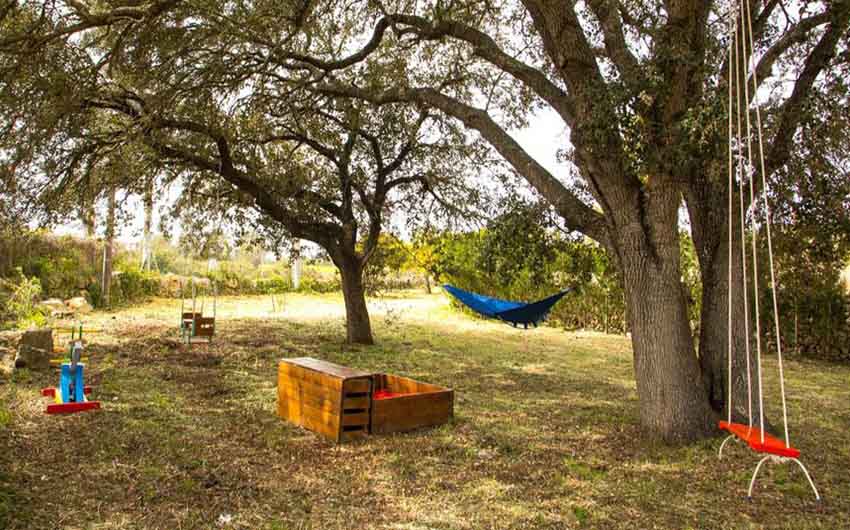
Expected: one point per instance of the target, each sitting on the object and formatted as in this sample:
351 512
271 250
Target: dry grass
545 434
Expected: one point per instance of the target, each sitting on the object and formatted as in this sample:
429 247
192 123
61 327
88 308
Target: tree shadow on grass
188 434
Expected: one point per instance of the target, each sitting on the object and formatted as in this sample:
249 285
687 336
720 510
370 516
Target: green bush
814 315
392 266
231 280
274 285
95 294
132 285
316 281
814 308
21 302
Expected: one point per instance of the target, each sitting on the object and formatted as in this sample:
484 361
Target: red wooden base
70 408
753 437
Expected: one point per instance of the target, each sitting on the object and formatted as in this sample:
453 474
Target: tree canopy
199 87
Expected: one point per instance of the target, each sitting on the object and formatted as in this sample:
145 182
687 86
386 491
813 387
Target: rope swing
743 170
194 326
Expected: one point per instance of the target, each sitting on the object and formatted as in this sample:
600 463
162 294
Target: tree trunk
673 404
107 249
427 283
358 327
147 252
295 260
89 219
709 221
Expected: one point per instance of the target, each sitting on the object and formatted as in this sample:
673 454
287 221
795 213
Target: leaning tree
641 86
191 85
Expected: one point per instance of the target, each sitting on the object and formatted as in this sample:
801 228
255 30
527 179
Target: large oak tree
642 88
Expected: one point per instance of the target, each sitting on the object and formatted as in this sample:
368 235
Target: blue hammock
514 313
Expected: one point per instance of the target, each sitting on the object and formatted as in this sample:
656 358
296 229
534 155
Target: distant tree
811 207
388 258
147 229
422 255
518 247
108 247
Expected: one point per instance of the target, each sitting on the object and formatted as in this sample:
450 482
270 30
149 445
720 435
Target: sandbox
342 403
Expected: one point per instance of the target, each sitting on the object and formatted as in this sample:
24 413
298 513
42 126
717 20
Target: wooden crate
408 405
329 399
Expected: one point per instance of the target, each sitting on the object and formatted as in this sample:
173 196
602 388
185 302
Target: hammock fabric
515 313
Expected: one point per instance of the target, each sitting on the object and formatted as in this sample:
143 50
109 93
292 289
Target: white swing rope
729 281
739 169
767 222
747 54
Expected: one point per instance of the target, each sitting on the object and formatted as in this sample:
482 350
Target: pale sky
545 134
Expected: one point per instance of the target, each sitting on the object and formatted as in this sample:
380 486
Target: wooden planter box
342 404
401 404
329 399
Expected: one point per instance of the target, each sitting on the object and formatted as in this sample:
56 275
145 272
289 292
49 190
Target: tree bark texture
358 327
710 229
295 262
673 401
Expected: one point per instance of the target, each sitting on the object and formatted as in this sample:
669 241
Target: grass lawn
545 433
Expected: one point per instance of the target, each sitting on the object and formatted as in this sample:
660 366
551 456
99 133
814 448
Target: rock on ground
54 305
35 349
79 305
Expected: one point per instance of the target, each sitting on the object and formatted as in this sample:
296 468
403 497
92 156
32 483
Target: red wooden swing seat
752 435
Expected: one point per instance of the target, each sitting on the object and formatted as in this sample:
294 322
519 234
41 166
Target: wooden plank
359 385
404 385
414 411
316 365
381 425
306 374
300 386
412 406
316 397
397 415
313 385
364 402
205 326
311 423
361 418
297 412
311 394
310 400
